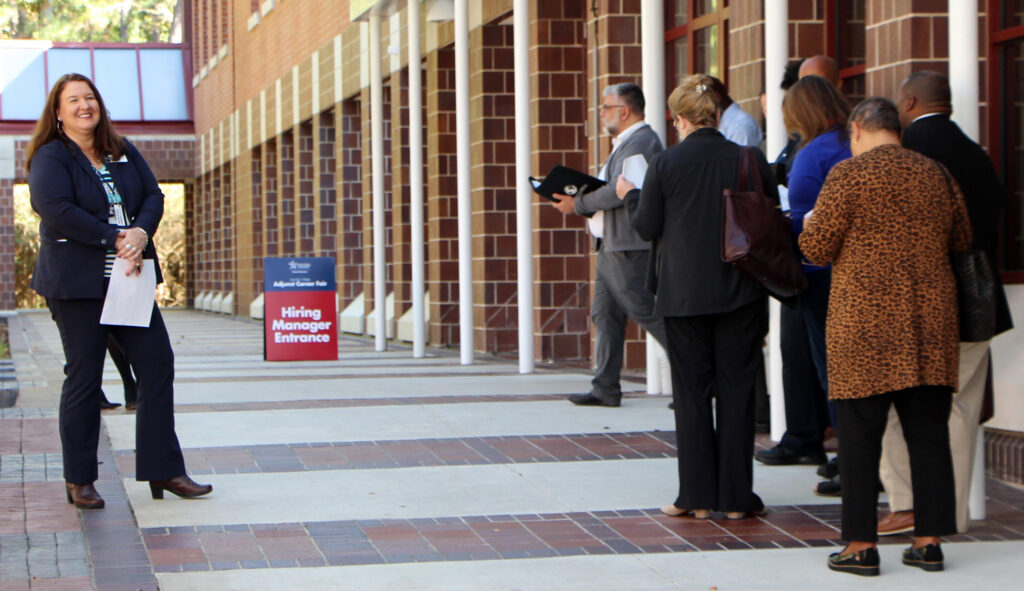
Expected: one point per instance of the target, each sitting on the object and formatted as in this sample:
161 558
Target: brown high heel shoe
84 496
183 486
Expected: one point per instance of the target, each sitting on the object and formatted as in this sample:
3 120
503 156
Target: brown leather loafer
84 496
897 522
183 486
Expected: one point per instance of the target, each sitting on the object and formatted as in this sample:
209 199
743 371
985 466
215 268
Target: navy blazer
74 231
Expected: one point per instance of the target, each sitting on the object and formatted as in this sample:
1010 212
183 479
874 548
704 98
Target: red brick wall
7 269
271 220
492 85
442 205
401 229
368 199
351 164
287 193
306 200
256 181
327 173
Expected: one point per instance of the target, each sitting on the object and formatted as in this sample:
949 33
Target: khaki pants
894 470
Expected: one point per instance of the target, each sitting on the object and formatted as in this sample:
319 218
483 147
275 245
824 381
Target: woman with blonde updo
714 314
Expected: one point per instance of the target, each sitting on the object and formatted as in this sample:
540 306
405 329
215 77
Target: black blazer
680 209
940 139
74 232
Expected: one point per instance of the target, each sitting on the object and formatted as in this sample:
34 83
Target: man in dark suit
924 104
619 288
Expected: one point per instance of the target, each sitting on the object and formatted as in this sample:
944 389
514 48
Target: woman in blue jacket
99 201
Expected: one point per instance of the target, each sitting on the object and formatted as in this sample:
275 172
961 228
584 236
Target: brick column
306 194
8 300
442 205
244 255
493 181
326 172
367 201
271 220
561 243
192 243
401 230
894 27
287 193
226 228
350 258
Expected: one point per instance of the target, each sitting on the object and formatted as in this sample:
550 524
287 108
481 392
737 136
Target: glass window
163 85
117 78
851 33
61 61
678 13
1012 152
22 83
1012 13
702 7
680 67
705 47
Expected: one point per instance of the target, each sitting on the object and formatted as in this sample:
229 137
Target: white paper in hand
634 169
129 300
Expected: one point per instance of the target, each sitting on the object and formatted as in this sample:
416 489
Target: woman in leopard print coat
887 220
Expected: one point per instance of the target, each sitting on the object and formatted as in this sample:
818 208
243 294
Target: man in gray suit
619 288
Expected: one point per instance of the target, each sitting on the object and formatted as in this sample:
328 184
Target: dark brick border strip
515 449
204 548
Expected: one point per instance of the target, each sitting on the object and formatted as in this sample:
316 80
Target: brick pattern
401 194
562 246
192 241
8 300
326 170
351 173
270 200
893 29
366 455
494 537
256 181
307 198
366 202
287 194
492 95
442 206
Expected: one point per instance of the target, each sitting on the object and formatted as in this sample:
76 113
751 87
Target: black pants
158 454
714 357
924 413
124 368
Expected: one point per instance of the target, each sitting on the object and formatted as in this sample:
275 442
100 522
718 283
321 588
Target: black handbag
975 295
756 237
975 289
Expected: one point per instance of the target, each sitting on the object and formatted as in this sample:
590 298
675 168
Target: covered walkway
380 471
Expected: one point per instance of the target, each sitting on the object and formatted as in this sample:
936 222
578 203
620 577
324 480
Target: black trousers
924 413
714 361
124 368
158 454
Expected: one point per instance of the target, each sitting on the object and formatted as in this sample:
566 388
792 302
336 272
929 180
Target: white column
462 171
963 65
416 178
524 193
776 54
652 51
377 182
963 83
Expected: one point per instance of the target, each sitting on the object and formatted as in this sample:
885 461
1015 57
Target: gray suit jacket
618 233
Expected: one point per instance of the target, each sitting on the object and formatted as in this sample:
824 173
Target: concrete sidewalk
379 471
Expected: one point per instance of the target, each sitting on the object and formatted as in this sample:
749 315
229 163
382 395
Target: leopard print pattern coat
887 220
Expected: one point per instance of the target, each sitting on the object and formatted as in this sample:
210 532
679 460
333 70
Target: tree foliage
169 240
126 21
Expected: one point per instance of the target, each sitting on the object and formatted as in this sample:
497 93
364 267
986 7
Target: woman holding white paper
99 203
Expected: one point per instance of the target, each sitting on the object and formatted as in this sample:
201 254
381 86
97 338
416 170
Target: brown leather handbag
756 236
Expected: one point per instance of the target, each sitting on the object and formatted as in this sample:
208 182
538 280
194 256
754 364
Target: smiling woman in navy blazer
98 200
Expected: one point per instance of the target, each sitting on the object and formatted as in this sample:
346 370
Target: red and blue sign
300 309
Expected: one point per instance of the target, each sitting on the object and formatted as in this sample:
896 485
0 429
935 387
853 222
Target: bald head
821 65
923 93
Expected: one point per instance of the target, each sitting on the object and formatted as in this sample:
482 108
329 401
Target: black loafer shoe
589 399
107 405
927 558
829 488
863 563
829 469
783 456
